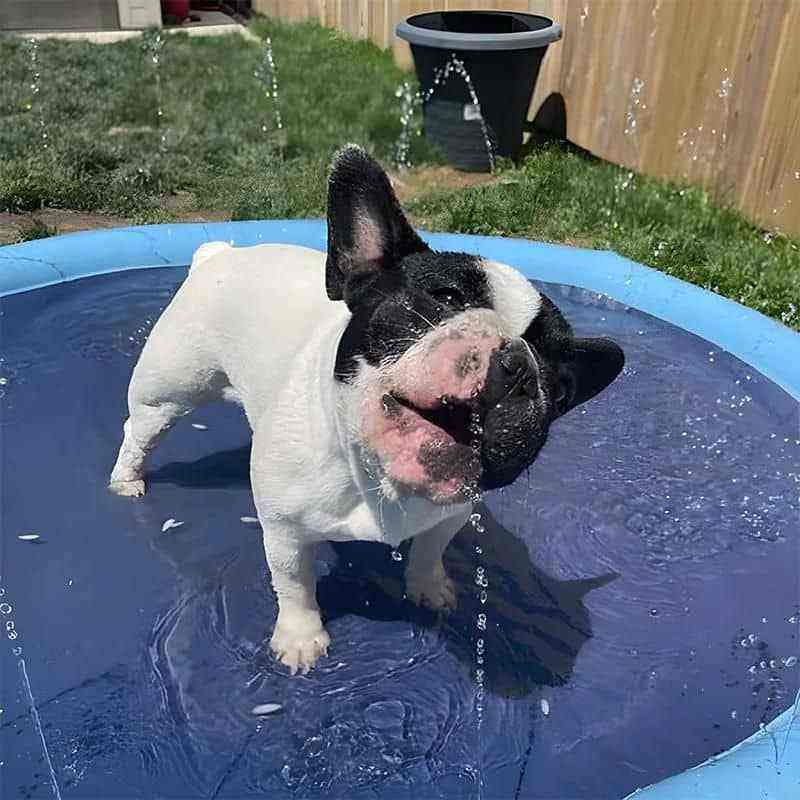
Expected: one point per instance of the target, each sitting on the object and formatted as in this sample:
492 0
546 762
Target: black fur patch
453 461
359 191
392 310
579 368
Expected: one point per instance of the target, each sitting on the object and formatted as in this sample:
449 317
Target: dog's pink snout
455 367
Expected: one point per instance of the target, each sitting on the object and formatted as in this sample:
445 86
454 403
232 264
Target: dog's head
455 366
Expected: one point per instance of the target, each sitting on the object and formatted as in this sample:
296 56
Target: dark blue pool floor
643 582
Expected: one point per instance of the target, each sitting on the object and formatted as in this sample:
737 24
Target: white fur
238 329
514 299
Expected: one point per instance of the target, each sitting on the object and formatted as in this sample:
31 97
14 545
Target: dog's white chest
392 522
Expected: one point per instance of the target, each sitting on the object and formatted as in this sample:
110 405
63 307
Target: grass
222 151
104 148
558 195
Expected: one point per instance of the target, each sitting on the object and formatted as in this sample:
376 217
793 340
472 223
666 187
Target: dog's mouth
458 419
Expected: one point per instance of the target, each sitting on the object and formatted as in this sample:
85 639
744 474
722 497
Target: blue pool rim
766 764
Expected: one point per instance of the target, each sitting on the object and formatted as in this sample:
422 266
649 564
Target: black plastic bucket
502 52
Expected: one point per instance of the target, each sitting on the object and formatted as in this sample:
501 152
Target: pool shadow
536 625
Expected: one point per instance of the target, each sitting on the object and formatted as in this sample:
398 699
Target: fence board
713 86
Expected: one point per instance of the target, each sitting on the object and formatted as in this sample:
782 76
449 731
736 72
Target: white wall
139 13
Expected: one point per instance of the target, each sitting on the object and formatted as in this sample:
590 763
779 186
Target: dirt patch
52 221
203 216
408 185
424 180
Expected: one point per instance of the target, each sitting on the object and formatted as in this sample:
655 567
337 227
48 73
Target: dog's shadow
535 624
224 469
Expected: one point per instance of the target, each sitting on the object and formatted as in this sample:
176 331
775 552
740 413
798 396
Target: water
482 583
703 144
654 14
267 74
634 103
635 114
34 105
411 101
13 636
145 650
152 45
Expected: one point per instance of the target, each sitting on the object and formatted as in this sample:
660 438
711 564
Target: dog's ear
585 366
367 231
588 367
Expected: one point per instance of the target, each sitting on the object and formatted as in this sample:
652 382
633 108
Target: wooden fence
700 90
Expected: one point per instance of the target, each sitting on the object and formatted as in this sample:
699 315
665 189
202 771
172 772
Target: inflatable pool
643 575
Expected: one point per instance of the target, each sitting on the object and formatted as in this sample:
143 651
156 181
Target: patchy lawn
223 157
560 196
221 148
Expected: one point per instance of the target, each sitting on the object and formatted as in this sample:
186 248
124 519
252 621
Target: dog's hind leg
142 431
168 383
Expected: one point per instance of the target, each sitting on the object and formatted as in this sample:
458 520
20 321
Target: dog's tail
205 251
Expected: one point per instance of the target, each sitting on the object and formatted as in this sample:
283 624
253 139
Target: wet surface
641 615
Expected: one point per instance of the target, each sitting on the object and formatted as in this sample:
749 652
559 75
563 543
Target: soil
16 227
426 180
408 185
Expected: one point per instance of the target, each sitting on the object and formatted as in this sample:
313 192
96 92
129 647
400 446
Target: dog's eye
448 295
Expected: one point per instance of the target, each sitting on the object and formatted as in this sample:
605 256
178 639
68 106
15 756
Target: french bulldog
386 385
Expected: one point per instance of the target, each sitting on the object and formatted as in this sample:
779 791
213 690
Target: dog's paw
298 649
128 488
437 592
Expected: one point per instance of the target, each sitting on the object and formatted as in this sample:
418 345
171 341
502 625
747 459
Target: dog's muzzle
513 373
515 415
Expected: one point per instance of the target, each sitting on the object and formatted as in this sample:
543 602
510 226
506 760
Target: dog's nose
514 359
512 371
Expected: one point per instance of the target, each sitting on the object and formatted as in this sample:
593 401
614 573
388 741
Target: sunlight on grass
223 153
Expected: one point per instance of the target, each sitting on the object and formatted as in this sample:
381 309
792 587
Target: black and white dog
385 383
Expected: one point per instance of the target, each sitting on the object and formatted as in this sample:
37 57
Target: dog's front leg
299 638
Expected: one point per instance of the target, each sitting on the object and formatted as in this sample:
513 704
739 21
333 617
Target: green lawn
222 152
557 195
99 105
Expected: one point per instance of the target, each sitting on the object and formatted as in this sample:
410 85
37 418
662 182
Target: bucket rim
450 40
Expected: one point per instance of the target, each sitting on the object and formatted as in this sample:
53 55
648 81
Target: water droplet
5 608
264 709
545 706
397 555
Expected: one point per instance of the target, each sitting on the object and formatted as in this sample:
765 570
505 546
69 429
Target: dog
386 385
